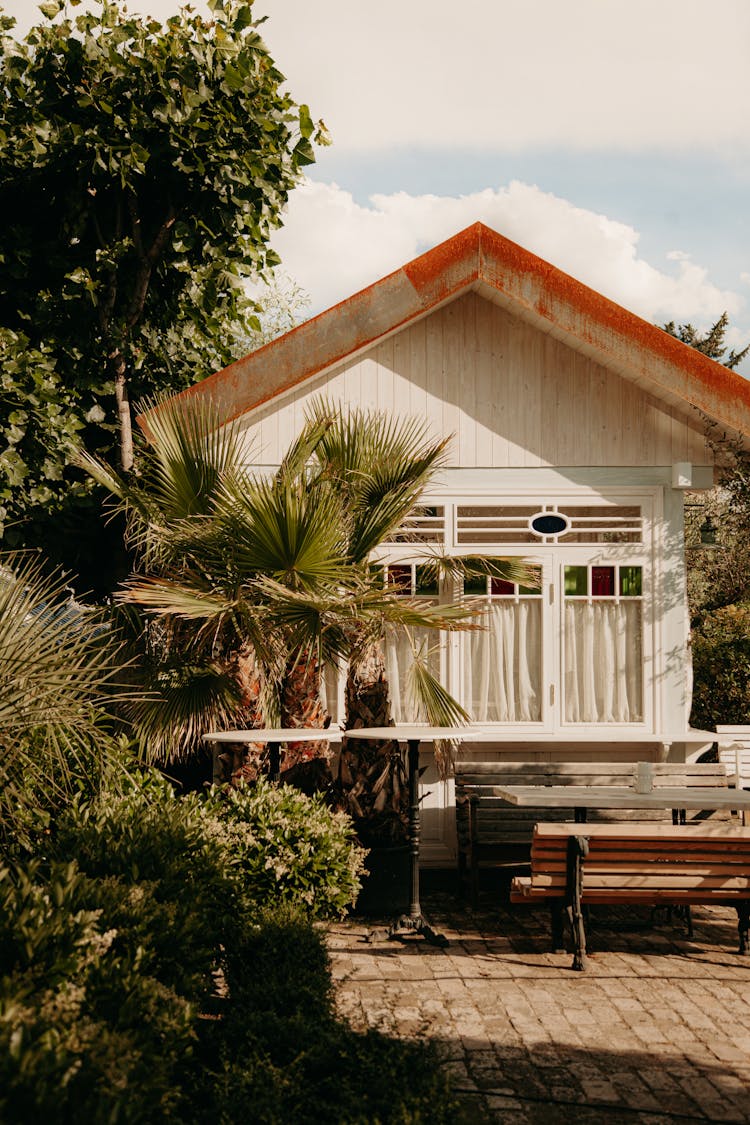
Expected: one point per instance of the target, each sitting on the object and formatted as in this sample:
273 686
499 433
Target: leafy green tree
142 170
717 561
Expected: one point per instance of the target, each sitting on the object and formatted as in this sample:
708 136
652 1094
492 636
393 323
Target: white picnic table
624 797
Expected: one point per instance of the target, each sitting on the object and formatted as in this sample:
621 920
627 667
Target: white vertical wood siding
510 395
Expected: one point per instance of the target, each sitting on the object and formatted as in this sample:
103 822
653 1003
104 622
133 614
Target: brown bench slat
656 865
484 821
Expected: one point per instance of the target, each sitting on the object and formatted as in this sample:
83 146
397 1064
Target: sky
611 137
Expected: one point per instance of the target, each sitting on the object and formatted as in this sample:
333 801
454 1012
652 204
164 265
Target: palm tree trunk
238 763
306 765
371 774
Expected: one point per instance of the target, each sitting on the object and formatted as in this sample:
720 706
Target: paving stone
657 1031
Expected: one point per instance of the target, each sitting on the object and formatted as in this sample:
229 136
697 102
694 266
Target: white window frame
552 558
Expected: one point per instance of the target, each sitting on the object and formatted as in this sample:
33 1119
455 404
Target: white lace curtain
503 664
603 662
398 657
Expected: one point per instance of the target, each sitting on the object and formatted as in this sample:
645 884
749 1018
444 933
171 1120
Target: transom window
491 524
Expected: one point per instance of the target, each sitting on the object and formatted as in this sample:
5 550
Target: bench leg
474 877
461 871
743 925
578 847
556 919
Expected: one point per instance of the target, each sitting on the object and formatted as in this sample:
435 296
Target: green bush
86 1033
283 1056
292 848
166 877
109 961
721 668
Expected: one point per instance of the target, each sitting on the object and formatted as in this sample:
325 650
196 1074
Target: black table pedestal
414 922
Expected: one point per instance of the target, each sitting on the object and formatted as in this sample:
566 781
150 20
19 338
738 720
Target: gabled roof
528 287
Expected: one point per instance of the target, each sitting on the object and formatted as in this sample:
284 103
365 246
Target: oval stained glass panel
549 523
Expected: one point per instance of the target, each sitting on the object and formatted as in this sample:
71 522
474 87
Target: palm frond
59 668
434 704
461 567
182 703
191 450
189 601
293 535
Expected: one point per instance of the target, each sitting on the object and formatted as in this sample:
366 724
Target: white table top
409 732
622 797
476 732
601 735
277 734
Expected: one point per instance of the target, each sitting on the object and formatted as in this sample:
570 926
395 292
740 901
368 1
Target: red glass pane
603 581
400 577
500 586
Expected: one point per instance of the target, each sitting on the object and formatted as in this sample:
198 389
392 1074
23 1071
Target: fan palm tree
256 579
380 468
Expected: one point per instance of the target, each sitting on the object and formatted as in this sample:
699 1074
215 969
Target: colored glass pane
602 581
400 577
631 581
427 581
576 581
500 587
535 586
475 584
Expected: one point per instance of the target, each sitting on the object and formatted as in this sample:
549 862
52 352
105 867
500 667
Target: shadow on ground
657 1031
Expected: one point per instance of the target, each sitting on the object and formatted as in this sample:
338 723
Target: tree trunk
243 762
306 765
371 774
124 422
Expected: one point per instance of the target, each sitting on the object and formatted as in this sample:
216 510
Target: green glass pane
576 581
475 584
536 575
631 581
427 581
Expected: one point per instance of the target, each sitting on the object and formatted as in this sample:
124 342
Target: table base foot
408 925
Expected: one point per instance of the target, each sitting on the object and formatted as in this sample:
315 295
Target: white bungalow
578 427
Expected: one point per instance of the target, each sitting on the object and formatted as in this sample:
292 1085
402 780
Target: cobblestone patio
658 1029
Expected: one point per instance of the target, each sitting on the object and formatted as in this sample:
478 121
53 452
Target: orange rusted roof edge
529 286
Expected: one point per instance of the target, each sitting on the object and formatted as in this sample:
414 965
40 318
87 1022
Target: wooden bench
491 831
652 864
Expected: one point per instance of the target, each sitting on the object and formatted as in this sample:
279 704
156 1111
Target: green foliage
57 666
108 961
165 873
86 1032
721 668
234 563
40 427
292 1060
142 170
291 848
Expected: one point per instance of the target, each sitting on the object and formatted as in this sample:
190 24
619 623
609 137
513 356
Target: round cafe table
413 734
274 737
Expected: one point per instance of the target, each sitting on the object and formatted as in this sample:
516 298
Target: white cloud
333 246
498 74
621 74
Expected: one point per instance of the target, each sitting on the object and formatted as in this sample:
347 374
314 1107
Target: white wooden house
578 428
